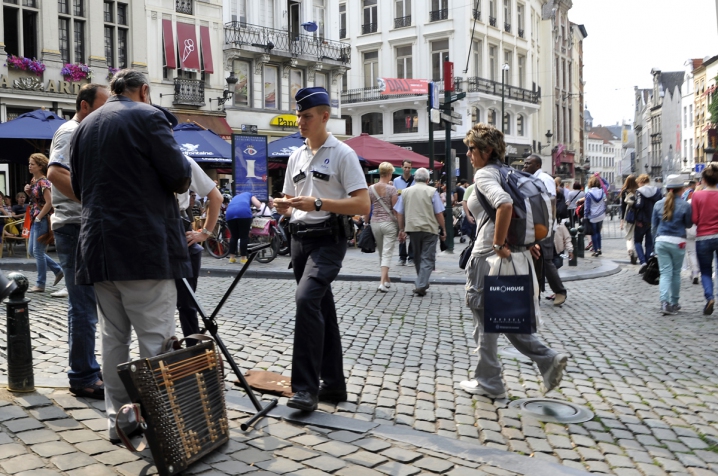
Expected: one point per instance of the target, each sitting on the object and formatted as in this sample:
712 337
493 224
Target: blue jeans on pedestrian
81 313
639 233
670 259
39 251
707 250
596 235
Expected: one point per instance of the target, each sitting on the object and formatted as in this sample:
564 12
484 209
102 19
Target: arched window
507 123
348 125
520 125
492 117
372 123
475 115
406 121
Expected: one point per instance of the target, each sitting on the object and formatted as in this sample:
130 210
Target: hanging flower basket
111 72
25 64
76 72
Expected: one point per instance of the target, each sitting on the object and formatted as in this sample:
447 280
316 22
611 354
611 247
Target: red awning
187 46
169 44
216 124
376 151
206 49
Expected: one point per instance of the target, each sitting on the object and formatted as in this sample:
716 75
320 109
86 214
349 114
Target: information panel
249 160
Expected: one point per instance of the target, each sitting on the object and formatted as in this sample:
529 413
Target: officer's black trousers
185 304
317 344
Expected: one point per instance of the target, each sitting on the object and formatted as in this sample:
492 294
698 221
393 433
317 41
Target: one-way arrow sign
454 97
452 119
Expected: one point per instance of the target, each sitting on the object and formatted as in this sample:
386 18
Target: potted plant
111 72
76 72
25 64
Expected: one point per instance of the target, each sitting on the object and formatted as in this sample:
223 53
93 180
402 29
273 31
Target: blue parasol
28 133
201 144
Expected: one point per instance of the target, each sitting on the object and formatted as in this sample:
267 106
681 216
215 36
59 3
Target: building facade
704 82
72 42
687 115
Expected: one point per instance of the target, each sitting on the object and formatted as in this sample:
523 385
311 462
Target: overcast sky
628 38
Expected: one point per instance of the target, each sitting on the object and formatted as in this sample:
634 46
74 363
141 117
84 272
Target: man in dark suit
132 255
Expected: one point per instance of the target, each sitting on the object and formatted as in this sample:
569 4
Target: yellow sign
284 120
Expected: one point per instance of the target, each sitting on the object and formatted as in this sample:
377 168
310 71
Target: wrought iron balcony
342 33
183 6
436 15
477 14
507 27
492 21
482 85
402 22
373 94
283 43
369 28
521 33
189 92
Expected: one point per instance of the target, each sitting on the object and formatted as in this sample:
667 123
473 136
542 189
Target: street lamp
504 68
685 163
645 166
229 92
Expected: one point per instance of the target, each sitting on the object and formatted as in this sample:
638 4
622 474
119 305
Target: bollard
19 347
580 246
573 261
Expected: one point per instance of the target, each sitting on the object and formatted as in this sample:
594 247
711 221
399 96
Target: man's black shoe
643 269
334 395
303 401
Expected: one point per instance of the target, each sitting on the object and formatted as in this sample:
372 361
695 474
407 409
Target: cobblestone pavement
650 379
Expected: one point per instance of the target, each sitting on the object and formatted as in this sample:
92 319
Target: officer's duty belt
319 229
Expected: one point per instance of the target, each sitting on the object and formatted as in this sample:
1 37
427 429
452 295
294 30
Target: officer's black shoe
303 401
334 395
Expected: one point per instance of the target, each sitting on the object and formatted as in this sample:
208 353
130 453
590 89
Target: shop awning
216 124
187 46
201 144
207 63
168 40
375 151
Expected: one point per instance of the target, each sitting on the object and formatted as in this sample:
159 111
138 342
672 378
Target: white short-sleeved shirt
333 172
548 181
66 211
201 185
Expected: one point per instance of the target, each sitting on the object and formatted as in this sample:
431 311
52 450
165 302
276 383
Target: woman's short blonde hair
385 168
484 136
41 161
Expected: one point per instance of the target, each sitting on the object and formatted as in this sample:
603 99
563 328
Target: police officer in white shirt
324 183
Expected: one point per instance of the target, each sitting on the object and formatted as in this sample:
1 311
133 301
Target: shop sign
36 84
284 120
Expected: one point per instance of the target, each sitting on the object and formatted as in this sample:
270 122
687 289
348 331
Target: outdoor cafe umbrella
283 147
28 133
201 144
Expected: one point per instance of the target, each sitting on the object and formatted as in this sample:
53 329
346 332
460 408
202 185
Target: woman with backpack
628 215
671 217
486 149
595 212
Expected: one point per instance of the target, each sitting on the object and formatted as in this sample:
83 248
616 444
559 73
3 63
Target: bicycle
217 245
265 230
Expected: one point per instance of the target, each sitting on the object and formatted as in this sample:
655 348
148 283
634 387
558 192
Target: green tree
713 107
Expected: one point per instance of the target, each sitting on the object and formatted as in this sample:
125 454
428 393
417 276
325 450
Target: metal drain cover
511 352
552 411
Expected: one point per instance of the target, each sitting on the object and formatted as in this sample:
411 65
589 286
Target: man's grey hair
127 80
421 175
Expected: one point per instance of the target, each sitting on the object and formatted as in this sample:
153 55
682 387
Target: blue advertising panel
249 160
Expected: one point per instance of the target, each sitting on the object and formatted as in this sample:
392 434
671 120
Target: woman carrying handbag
383 221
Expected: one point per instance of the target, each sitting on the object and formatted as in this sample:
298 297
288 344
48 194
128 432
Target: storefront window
241 89
271 88
406 121
296 82
372 123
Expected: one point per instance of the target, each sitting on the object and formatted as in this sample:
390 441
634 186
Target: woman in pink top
705 216
383 221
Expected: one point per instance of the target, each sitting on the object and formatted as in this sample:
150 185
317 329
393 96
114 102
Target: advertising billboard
249 165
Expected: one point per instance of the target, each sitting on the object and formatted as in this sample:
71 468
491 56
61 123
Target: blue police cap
168 115
311 97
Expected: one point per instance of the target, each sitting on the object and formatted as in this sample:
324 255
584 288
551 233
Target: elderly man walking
132 255
421 217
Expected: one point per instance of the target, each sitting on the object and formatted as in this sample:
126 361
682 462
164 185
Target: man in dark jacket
132 254
646 197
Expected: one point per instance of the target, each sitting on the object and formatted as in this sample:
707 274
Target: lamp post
685 163
227 93
504 68
548 142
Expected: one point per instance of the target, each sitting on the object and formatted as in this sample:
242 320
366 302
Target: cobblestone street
650 379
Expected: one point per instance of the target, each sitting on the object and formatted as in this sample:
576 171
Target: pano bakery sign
36 84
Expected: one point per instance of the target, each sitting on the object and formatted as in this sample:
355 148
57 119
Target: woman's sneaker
667 309
553 377
473 387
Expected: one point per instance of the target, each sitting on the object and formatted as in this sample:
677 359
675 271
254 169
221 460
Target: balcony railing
368 28
402 22
477 14
492 21
507 27
189 92
342 33
521 33
482 85
373 94
183 6
436 15
284 43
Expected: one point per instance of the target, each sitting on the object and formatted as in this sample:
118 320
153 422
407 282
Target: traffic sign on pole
435 116
433 95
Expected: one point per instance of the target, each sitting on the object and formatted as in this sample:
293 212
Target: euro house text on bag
509 304
532 216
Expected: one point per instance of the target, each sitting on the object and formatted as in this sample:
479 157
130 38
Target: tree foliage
713 106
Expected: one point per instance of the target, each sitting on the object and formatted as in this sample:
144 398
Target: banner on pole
249 165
